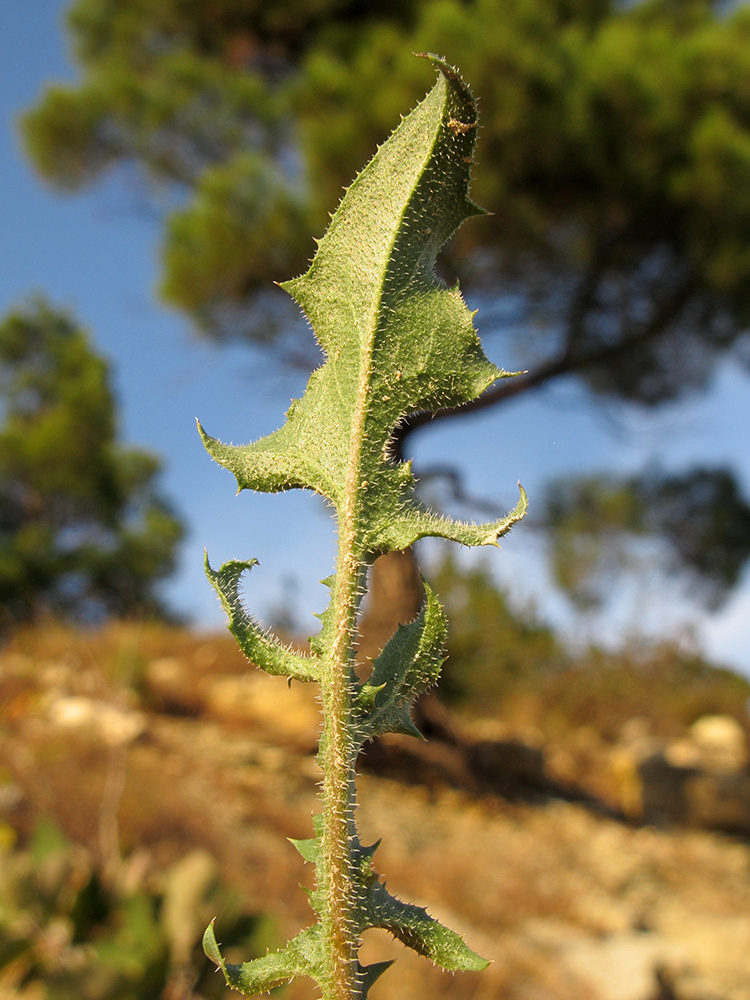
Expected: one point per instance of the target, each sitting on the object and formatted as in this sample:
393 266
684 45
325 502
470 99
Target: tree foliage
493 647
83 531
614 153
697 522
614 156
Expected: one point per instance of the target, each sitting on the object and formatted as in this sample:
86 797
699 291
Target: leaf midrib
353 490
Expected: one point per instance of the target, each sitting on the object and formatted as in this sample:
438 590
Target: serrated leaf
408 665
397 340
301 957
320 643
410 924
417 521
367 975
308 848
415 928
263 649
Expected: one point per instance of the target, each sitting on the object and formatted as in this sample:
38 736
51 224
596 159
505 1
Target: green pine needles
396 341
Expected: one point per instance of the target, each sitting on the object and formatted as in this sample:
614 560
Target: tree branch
569 361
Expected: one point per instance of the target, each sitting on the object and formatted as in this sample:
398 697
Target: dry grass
537 888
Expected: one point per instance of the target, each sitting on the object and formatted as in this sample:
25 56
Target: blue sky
96 254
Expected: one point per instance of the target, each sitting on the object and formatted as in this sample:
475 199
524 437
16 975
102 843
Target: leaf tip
474 209
211 946
439 62
205 438
369 974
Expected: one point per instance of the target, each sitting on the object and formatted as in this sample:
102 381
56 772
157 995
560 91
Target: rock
114 726
286 712
171 687
715 743
623 966
721 744
719 801
205 656
11 796
635 745
699 780
663 795
688 795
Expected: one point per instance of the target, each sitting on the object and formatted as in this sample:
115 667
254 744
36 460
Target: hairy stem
336 759
396 341
338 751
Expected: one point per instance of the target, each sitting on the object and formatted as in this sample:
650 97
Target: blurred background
164 162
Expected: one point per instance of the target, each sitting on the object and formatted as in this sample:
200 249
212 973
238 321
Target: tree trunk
394 598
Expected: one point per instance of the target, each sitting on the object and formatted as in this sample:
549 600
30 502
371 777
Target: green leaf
414 927
260 647
300 957
408 666
367 975
308 848
396 339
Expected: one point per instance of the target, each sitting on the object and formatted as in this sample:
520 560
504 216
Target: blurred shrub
492 647
66 935
84 532
663 683
505 661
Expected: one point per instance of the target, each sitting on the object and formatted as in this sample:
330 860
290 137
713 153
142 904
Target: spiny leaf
397 340
361 856
414 927
367 975
270 465
264 651
408 665
300 957
320 643
308 848
417 522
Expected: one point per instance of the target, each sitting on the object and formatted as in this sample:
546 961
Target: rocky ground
586 869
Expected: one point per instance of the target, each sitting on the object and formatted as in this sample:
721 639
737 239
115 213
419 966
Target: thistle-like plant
396 341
